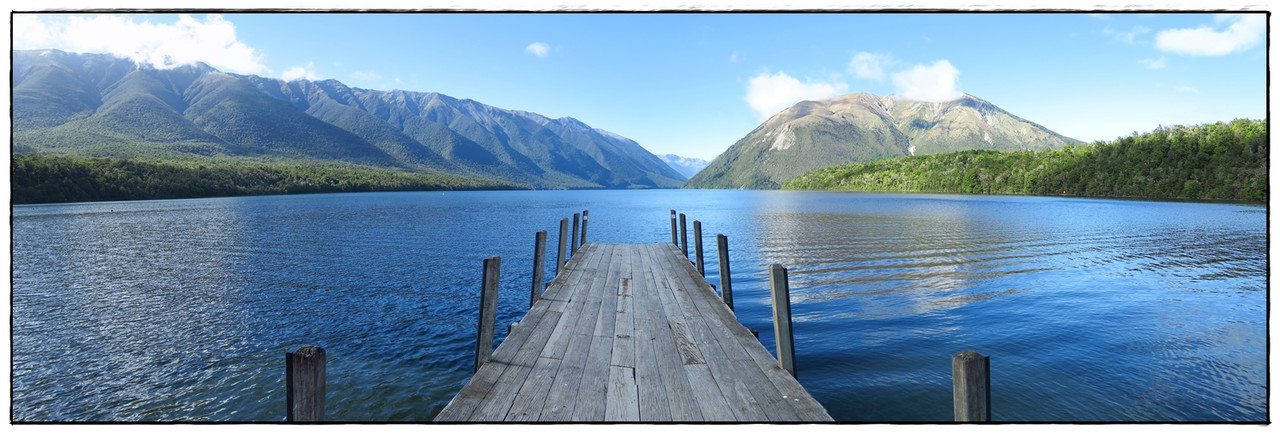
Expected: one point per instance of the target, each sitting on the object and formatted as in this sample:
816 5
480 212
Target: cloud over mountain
769 93
163 46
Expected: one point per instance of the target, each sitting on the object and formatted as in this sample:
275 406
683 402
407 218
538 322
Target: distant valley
687 166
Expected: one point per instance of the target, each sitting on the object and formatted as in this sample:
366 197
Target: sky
692 84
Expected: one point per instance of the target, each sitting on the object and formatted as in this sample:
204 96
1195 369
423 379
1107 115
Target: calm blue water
1091 310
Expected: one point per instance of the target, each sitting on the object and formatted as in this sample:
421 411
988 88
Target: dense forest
45 179
1221 161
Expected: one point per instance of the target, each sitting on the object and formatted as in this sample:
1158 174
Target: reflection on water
1090 309
901 283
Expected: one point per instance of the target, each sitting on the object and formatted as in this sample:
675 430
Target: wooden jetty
631 332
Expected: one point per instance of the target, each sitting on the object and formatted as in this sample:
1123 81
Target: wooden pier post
584 228
971 386
674 240
564 241
304 384
684 237
573 239
726 287
697 248
488 310
539 266
781 295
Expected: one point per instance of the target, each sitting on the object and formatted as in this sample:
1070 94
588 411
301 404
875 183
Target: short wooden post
971 386
564 241
726 287
697 248
780 291
304 379
674 240
573 240
539 266
488 310
584 228
684 237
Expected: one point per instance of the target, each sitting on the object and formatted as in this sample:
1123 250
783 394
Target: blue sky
693 84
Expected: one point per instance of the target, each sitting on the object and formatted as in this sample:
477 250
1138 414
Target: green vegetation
44 179
1207 162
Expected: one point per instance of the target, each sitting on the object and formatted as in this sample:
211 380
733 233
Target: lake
1090 310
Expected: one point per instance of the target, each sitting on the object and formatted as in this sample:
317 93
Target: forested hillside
1221 161
44 179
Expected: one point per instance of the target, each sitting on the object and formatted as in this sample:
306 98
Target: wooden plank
593 392
527 406
624 350
801 403
575 307
675 382
725 373
729 336
564 393
651 393
623 403
707 394
503 392
609 294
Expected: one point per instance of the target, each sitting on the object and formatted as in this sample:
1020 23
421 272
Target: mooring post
971 386
584 228
573 240
564 241
488 310
684 238
304 384
726 287
780 291
697 248
539 266
674 240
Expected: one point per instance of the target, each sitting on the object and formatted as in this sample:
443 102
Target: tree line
48 179
1220 161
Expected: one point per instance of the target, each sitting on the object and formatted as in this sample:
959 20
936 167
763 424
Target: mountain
687 166
863 127
97 105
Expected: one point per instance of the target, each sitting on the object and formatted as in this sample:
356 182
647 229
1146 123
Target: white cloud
936 83
870 65
1154 63
1243 33
307 72
769 94
733 57
1126 37
190 40
366 75
1185 89
538 49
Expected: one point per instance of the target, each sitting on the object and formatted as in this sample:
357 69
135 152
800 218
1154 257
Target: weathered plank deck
631 332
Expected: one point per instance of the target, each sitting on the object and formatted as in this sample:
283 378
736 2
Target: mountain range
99 105
861 127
